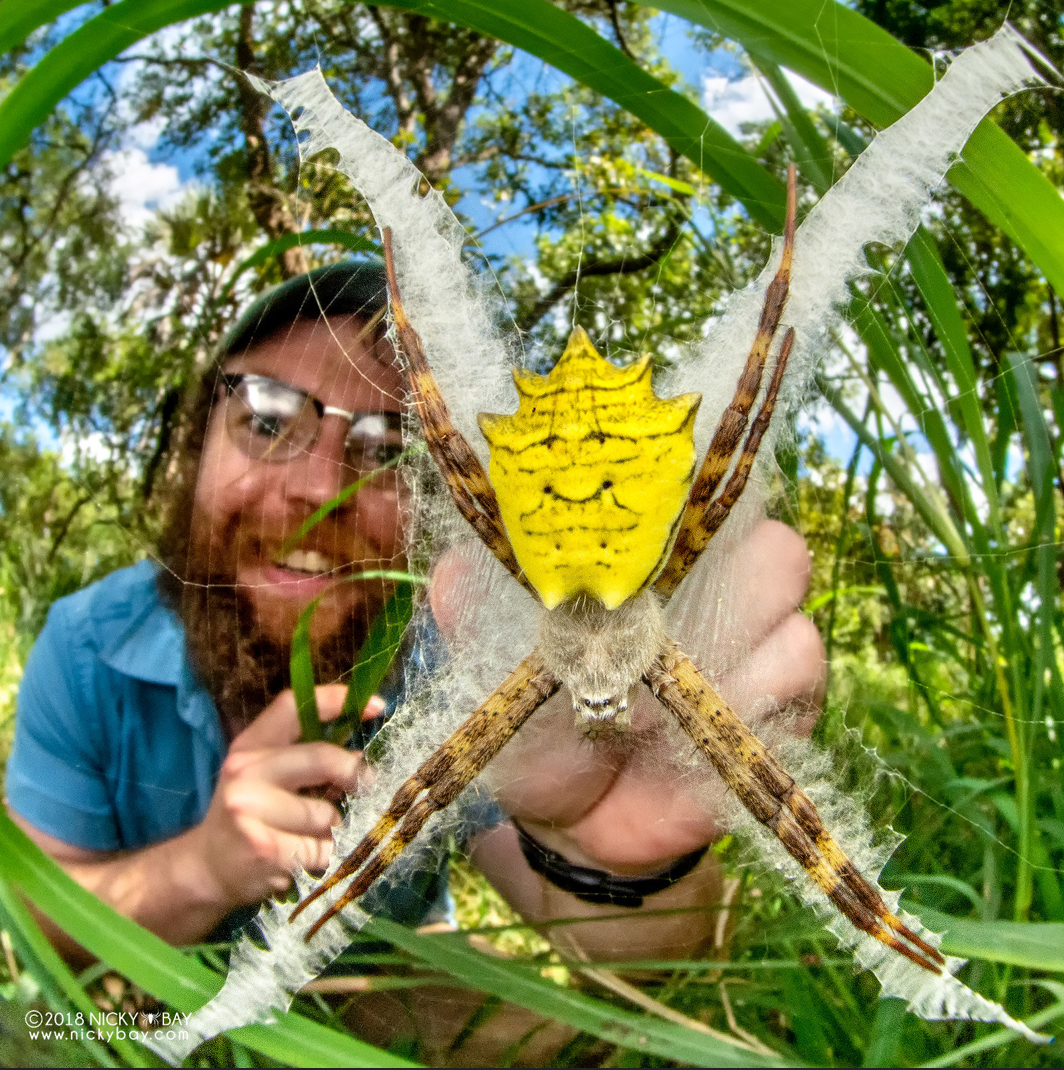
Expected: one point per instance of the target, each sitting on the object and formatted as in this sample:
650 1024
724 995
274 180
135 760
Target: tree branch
64 527
392 75
621 266
264 198
167 413
615 21
442 123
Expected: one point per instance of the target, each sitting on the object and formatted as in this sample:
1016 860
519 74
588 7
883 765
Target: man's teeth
307 561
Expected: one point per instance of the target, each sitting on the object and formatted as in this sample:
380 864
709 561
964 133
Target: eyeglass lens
272 421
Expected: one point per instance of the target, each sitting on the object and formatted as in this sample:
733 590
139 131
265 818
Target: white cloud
140 185
93 446
734 101
54 326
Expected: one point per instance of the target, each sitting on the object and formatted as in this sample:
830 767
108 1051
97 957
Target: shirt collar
151 648
138 635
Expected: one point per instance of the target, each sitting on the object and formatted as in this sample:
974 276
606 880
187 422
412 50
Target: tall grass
936 586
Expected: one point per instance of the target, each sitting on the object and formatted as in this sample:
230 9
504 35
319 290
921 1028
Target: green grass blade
523 986
39 955
1041 470
880 78
806 1019
301 671
811 152
1033 945
376 656
19 18
827 43
887 1025
546 31
1014 195
845 53
885 352
536 26
333 504
77 56
1036 438
928 510
943 308
373 662
164 971
301 664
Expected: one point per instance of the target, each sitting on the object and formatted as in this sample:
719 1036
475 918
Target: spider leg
438 782
459 465
694 533
771 795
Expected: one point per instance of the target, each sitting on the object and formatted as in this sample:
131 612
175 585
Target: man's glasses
274 422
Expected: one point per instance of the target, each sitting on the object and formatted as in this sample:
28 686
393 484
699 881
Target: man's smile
307 562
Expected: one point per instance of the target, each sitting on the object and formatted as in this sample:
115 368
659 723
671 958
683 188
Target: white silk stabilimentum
879 199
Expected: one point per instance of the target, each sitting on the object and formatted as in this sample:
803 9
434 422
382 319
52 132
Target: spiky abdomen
592 473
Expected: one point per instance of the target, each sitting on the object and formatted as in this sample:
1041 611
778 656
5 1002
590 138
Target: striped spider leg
438 782
459 465
764 787
443 777
704 514
742 761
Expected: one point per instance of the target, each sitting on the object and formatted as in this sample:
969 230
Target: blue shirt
117 744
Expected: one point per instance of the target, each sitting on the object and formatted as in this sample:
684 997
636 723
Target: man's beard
241 666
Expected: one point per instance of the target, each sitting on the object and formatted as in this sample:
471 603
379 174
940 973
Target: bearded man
158 754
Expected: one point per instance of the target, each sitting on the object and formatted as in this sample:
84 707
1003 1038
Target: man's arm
624 809
258 827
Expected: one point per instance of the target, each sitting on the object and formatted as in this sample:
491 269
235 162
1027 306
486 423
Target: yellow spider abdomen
592 473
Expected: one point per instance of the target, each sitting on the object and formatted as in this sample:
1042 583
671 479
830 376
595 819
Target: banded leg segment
722 505
771 795
458 464
438 782
694 531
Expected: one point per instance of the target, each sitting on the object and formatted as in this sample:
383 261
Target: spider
565 510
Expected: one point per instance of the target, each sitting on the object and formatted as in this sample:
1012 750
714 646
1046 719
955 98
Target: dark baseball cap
346 288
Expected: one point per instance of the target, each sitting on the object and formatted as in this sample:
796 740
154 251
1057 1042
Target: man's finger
284 811
310 765
789 665
307 851
278 724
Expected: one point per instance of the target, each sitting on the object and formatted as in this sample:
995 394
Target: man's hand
271 808
622 806
615 807
258 827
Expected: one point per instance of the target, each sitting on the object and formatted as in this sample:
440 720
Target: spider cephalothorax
575 524
600 654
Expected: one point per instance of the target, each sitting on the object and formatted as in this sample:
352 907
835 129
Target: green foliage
935 549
